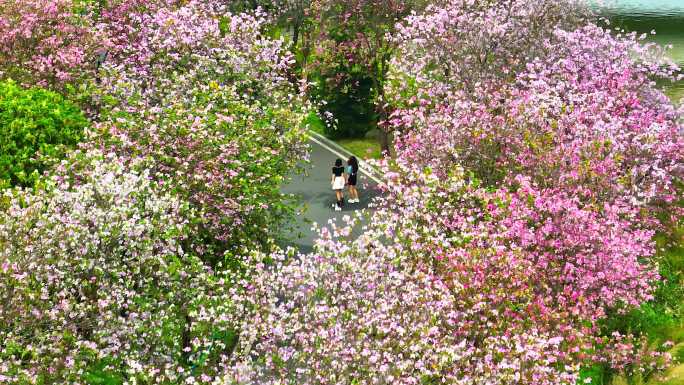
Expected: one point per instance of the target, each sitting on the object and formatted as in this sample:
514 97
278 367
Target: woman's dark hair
354 163
338 162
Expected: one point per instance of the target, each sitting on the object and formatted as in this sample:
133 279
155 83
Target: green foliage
100 373
679 354
36 127
314 123
597 373
350 102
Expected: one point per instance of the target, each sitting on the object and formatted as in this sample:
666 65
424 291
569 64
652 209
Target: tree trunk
295 35
384 141
185 336
383 126
381 104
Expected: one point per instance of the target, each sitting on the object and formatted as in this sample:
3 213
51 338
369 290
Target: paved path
313 190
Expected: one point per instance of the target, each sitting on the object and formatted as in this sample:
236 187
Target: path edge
342 152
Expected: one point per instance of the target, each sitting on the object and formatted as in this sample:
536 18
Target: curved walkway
314 192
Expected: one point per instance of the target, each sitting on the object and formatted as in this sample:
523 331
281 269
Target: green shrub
598 374
36 125
350 102
315 123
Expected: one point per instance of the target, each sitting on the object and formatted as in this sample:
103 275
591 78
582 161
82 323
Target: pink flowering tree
449 282
47 43
96 283
585 119
204 93
200 42
121 21
227 158
474 46
124 266
575 134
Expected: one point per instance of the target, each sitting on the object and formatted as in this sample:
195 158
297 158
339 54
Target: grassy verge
315 123
366 148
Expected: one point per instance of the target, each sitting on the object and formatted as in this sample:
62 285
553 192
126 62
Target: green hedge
36 126
349 101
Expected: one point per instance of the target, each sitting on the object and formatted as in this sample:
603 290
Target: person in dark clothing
338 181
352 171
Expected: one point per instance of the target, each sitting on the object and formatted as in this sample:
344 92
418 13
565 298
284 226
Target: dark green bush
349 100
36 126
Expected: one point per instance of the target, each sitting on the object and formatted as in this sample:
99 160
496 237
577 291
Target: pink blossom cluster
121 21
124 265
566 125
586 118
94 272
213 105
449 282
470 45
47 43
180 48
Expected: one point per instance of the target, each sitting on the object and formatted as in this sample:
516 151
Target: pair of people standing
345 176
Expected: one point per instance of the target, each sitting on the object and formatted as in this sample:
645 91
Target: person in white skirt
338 181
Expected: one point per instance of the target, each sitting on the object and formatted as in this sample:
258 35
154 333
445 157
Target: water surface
666 17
